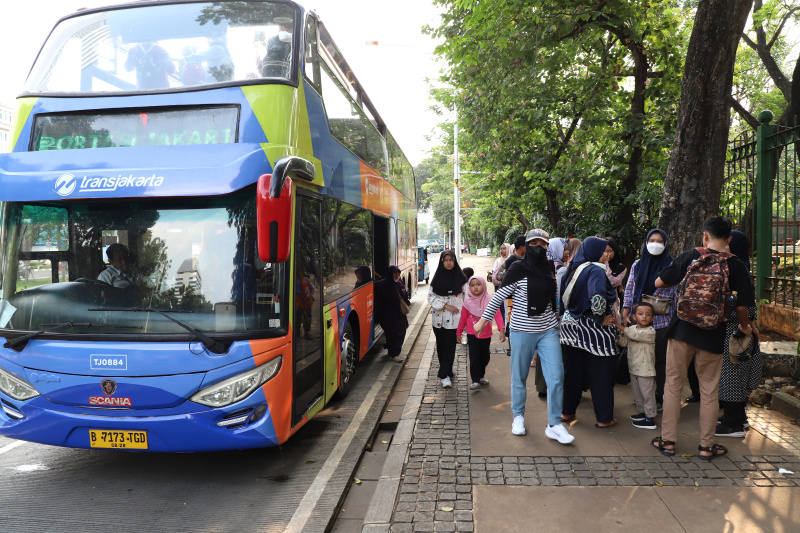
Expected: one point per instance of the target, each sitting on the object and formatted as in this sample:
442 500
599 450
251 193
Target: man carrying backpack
713 282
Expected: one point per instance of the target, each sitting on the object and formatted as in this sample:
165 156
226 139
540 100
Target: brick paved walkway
437 490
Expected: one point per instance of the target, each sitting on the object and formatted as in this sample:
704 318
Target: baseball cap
537 234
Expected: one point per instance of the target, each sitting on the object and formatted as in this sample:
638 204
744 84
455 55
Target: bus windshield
196 258
167 46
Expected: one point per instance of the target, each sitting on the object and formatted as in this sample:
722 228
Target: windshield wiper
13 343
207 341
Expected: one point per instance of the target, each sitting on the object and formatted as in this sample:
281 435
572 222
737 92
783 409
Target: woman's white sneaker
484 381
475 386
518 426
446 383
559 433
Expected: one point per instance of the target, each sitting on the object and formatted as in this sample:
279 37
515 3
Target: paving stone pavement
440 473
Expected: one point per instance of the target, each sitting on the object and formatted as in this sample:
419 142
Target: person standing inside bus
305 299
152 64
389 291
279 50
445 296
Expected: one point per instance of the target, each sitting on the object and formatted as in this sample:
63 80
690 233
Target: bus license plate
99 438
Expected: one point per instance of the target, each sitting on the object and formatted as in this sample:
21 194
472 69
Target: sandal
660 445
612 423
715 449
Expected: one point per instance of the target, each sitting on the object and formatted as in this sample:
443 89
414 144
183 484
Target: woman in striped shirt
588 338
531 283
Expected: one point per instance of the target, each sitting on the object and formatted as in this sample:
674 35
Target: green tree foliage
765 62
569 106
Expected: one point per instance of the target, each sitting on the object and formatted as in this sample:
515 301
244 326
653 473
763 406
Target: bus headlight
15 387
238 387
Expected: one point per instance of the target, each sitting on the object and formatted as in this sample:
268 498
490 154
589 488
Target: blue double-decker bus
198 198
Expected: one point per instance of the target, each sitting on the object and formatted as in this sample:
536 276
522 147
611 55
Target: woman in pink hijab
477 298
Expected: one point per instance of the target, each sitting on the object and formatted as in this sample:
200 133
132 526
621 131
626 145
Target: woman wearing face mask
644 271
530 282
445 296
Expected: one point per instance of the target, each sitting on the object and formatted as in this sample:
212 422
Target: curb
377 408
379 514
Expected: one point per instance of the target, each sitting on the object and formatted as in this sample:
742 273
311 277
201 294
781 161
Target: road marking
306 507
11 446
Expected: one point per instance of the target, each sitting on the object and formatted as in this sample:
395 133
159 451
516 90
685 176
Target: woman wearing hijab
363 276
644 271
505 250
588 338
445 295
615 272
736 378
531 283
558 252
477 298
388 293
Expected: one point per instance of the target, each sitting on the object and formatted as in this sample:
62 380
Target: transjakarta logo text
67 183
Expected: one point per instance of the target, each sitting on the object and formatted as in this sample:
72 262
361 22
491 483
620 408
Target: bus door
383 249
308 331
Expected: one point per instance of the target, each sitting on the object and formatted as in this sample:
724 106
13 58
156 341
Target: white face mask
655 248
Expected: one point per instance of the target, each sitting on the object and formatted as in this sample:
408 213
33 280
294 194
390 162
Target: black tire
349 360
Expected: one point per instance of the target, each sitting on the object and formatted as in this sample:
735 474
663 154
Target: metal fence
760 196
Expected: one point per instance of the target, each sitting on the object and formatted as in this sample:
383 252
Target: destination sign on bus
141 127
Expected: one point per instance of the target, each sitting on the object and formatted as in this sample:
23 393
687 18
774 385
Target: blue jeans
548 344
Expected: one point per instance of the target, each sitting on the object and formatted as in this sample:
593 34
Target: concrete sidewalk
466 472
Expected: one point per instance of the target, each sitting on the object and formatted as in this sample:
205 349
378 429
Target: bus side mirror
274 219
274 207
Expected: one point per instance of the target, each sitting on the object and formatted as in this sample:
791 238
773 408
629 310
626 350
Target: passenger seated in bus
279 48
117 273
363 276
152 64
192 70
219 63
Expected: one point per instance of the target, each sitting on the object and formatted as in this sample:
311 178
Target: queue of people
571 313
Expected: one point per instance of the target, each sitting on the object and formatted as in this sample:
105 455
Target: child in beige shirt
641 342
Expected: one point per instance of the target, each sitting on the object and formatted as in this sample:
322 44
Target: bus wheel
349 359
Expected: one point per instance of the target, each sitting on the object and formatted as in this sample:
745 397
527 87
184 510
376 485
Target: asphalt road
295 487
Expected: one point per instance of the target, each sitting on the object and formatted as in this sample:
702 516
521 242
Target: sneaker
396 359
518 426
645 423
559 433
475 386
745 425
659 406
640 416
725 431
484 382
446 383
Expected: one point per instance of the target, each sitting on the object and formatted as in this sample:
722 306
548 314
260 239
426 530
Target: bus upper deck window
167 46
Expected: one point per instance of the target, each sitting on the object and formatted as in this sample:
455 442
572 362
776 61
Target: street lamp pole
456 194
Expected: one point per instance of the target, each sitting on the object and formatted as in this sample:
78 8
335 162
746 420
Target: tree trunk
696 170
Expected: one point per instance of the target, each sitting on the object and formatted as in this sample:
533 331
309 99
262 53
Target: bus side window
312 54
